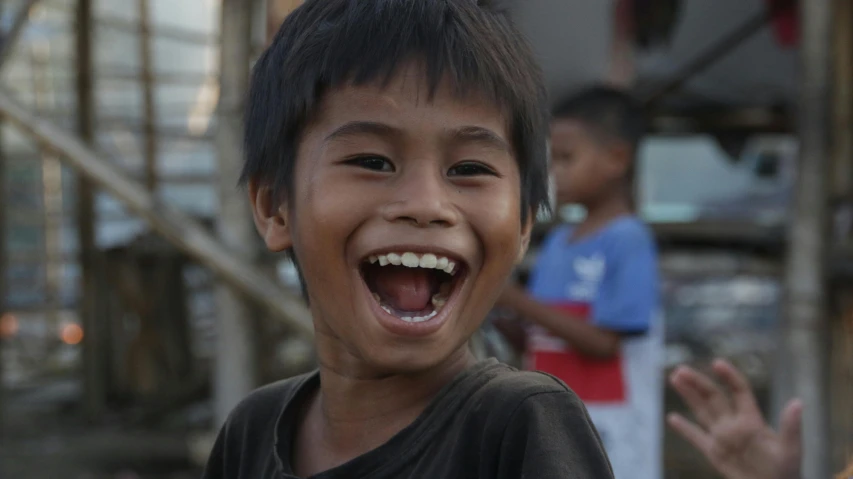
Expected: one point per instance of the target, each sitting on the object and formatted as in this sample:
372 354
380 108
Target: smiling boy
396 149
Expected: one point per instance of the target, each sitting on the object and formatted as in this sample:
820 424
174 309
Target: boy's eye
563 157
470 168
375 163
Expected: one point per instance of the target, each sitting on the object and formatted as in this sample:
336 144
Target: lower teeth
438 301
419 319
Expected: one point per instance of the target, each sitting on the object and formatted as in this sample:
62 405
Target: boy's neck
353 413
601 213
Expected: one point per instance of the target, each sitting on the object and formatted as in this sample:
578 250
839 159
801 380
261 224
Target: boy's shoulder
265 404
506 379
624 234
622 231
509 388
629 227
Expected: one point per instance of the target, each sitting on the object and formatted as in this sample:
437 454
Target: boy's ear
621 155
270 218
526 231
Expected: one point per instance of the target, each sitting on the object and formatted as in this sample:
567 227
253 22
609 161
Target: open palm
731 431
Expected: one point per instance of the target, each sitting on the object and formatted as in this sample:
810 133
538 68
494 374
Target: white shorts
632 442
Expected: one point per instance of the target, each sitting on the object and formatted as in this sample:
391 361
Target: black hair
607 112
324 44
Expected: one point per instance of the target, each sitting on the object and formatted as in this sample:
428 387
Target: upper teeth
414 260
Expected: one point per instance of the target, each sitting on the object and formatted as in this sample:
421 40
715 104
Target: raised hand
731 432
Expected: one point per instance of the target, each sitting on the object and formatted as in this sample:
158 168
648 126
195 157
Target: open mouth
414 287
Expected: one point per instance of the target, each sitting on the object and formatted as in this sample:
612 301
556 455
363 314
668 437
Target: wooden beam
178 228
805 325
236 353
149 114
8 40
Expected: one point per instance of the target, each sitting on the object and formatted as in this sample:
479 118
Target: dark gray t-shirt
491 421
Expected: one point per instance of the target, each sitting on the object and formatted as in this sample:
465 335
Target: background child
396 149
593 294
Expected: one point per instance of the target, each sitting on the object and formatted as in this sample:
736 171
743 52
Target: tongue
404 289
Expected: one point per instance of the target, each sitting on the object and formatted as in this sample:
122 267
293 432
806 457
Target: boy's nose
422 200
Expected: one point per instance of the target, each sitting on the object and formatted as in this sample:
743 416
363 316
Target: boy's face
432 189
584 169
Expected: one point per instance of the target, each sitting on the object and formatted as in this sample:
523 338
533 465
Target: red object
786 22
593 380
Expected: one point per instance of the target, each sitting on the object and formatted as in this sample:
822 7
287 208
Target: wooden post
51 193
841 345
3 268
3 272
149 115
94 388
236 370
842 101
805 326
841 372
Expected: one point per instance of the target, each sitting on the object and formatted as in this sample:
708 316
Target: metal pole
235 374
805 328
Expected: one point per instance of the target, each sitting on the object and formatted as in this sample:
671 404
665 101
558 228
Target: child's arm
732 433
513 331
625 303
583 336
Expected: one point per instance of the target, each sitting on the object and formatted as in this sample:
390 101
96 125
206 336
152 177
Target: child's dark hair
324 44
607 112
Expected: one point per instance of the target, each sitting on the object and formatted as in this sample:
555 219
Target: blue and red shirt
610 279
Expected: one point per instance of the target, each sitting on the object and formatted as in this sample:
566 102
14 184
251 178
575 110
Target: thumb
791 431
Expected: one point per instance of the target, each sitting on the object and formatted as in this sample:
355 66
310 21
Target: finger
690 431
791 430
741 392
705 400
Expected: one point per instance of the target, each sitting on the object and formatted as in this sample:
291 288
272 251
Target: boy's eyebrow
478 134
355 128
465 134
